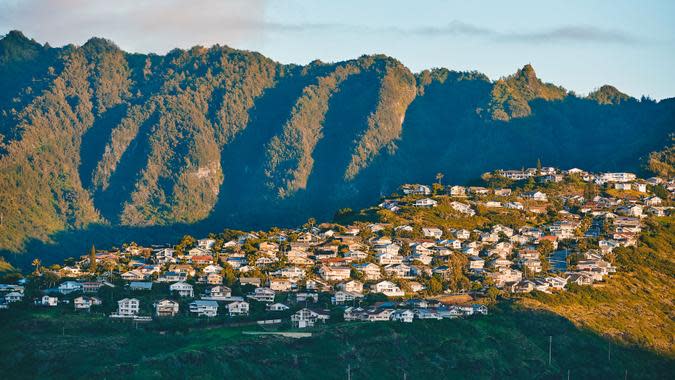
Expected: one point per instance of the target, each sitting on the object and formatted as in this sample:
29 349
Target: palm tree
36 263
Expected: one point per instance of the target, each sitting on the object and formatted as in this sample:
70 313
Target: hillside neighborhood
431 252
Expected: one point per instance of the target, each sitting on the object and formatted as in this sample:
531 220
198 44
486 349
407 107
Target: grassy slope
636 304
509 343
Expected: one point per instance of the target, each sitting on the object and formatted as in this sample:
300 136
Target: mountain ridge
126 139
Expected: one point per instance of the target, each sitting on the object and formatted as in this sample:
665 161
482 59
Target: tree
439 178
36 263
538 167
590 191
435 285
92 259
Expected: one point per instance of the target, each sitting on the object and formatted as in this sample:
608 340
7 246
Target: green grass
511 342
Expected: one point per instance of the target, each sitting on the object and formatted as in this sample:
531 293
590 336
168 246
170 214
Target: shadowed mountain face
204 139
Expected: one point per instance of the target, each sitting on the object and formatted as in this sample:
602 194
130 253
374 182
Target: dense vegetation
94 140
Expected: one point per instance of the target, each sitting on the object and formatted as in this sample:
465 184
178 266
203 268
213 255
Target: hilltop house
183 289
305 317
425 202
166 308
387 288
128 307
238 308
204 308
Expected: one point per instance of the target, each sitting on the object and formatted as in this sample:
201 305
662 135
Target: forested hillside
135 146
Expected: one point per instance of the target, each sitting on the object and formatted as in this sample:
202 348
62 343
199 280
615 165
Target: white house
69 287
425 202
85 303
166 308
432 232
262 295
536 196
204 308
128 307
463 208
238 308
387 288
403 315
183 289
334 273
13 297
276 307
49 301
305 317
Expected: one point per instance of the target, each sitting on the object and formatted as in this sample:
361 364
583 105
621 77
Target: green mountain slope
93 137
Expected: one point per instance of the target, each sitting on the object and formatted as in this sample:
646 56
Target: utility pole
349 372
609 351
568 374
405 376
550 344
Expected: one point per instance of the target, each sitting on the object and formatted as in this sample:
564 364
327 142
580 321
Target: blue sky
577 44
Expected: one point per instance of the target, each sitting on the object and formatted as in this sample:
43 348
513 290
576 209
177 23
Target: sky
579 45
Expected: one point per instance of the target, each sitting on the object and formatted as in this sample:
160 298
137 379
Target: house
463 208
85 303
91 286
370 271
476 264
280 284
69 287
462 234
353 286
425 202
204 308
276 307
536 196
212 269
622 186
133 275
172 277
478 190
139 285
183 289
416 189
262 295
505 275
238 308
513 205
387 288
581 279
165 256
617 177
334 273
653 201
206 244
340 297
166 308
458 191
212 279
255 281
556 282
305 317
432 232
503 192
128 307
49 301
218 292
306 297
13 297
